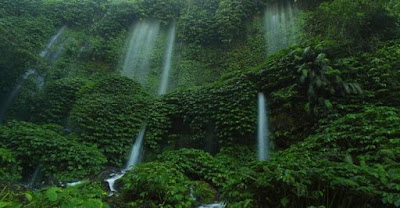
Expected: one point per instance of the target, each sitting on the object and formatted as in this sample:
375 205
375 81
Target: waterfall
167 61
136 150
34 176
262 134
47 51
279 25
13 94
133 160
140 48
136 64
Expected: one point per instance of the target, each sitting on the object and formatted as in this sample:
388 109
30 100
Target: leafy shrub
10 170
57 100
361 135
197 165
355 23
230 118
203 192
21 39
159 125
110 113
87 195
378 73
348 162
157 185
60 156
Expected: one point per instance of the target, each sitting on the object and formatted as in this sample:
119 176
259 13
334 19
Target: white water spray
13 94
215 205
140 48
167 61
47 51
279 25
262 134
134 159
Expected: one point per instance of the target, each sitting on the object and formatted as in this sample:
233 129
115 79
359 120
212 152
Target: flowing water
168 61
46 53
262 133
135 155
133 160
136 66
53 41
140 48
279 25
34 176
215 205
7 103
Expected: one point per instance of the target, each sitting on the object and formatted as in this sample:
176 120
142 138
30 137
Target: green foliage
73 12
211 21
21 39
10 170
229 119
362 135
196 164
378 73
60 156
348 162
159 125
335 146
203 192
110 113
156 184
87 195
231 17
57 100
355 23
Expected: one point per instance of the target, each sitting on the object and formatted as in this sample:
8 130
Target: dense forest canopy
200 103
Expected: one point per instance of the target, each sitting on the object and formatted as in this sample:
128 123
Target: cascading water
140 48
47 51
167 61
34 177
262 134
14 93
215 205
134 157
133 160
136 65
279 25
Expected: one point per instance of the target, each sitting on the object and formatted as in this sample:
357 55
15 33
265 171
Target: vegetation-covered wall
332 101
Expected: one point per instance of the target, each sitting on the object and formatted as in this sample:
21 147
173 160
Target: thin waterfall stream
45 53
133 160
7 103
167 62
262 131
